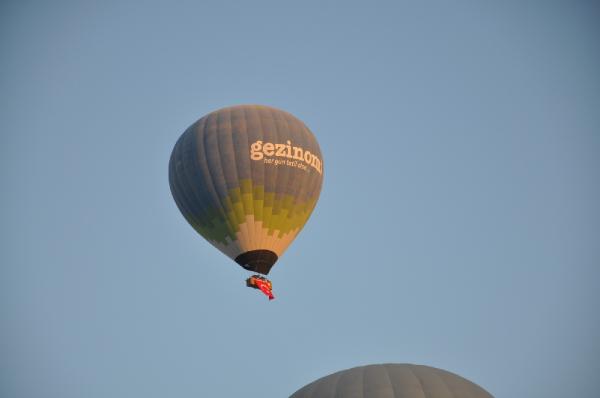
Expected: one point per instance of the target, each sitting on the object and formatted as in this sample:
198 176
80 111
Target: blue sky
457 227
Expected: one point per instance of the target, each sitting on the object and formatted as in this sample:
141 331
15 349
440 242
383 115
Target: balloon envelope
247 178
392 381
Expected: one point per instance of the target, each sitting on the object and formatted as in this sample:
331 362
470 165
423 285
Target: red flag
264 287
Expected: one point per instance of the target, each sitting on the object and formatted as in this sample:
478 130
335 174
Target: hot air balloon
247 179
392 381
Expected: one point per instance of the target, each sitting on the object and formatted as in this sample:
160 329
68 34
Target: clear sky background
458 225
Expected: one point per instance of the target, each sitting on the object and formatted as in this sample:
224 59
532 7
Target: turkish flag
264 287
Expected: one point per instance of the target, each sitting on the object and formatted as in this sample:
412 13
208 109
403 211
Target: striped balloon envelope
247 179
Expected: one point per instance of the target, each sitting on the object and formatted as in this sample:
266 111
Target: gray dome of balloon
392 381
